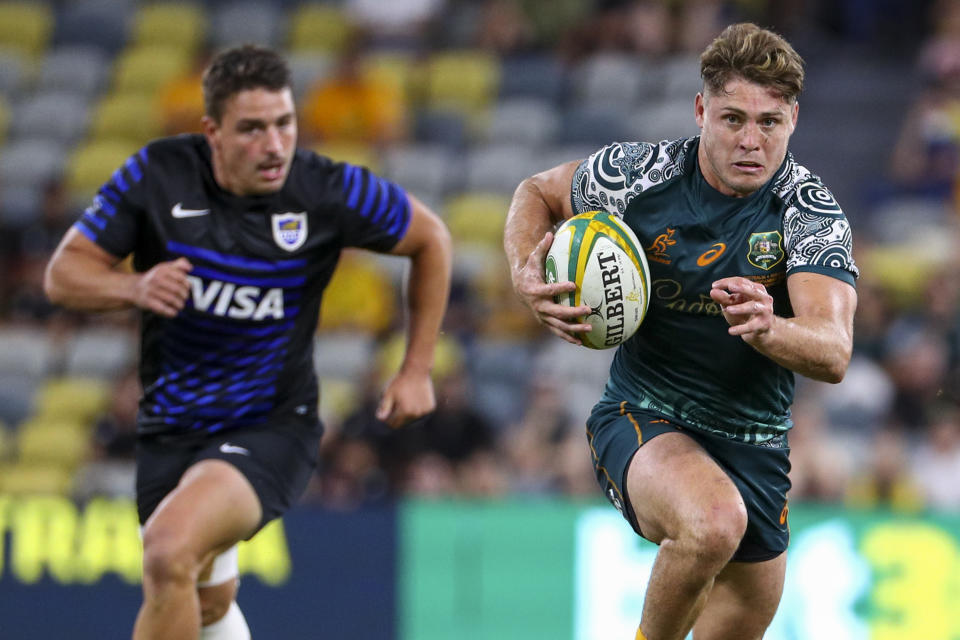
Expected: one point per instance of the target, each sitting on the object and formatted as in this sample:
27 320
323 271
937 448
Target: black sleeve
111 221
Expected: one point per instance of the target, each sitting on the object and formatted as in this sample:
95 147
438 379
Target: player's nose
750 136
273 141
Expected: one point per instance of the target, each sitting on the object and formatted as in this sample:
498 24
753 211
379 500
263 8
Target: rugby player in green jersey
752 282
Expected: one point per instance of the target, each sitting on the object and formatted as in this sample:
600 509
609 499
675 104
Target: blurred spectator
180 100
936 464
574 469
916 360
886 480
926 157
395 24
872 319
348 105
111 471
504 27
820 458
55 216
532 445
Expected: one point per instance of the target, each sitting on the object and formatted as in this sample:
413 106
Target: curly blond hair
744 50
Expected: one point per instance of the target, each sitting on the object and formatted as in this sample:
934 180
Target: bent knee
717 534
215 601
167 558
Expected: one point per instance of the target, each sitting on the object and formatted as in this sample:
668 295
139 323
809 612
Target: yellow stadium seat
465 81
65 444
170 23
448 357
74 399
352 152
393 69
92 164
25 27
34 479
360 296
319 28
4 119
145 69
6 441
477 218
127 116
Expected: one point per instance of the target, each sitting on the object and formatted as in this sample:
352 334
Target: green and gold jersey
682 362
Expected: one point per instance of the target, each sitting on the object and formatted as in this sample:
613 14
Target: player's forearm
78 281
813 347
428 290
528 219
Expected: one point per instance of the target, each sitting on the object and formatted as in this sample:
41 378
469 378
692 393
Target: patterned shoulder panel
816 231
613 176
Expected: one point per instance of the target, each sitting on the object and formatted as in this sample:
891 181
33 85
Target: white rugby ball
603 256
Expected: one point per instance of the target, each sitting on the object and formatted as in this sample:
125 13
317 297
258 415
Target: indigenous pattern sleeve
817 235
616 174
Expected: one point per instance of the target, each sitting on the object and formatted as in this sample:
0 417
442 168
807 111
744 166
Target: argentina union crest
766 249
289 229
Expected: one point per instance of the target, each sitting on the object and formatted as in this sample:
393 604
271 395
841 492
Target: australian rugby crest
289 229
766 249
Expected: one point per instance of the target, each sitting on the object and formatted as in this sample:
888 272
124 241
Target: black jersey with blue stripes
241 352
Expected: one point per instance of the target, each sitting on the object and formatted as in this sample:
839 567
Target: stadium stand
83 85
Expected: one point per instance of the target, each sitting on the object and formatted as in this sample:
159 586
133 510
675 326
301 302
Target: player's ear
210 129
698 109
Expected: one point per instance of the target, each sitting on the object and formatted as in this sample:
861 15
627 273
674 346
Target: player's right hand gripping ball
600 253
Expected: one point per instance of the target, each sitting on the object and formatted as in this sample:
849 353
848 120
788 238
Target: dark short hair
757 55
240 69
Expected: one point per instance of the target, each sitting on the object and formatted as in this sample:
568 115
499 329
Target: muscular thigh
654 472
674 485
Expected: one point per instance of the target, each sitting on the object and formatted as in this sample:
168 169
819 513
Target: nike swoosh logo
226 447
179 212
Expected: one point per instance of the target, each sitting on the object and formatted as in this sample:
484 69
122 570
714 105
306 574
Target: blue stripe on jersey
232 328
227 260
400 217
105 205
90 216
206 339
384 203
375 187
392 204
213 274
133 168
110 193
198 347
121 182
81 226
353 181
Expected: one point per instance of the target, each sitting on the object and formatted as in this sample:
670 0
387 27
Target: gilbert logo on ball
601 254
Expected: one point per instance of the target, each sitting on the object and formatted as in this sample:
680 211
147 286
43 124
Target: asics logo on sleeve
226 447
179 212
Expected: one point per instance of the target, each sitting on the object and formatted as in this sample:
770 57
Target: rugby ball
600 253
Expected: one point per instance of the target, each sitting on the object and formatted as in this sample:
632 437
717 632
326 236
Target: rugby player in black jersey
752 281
234 235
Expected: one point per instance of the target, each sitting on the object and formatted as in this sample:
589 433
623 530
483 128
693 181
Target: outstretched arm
82 276
427 242
816 342
539 203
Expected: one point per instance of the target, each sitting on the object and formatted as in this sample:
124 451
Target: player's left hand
746 306
407 397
